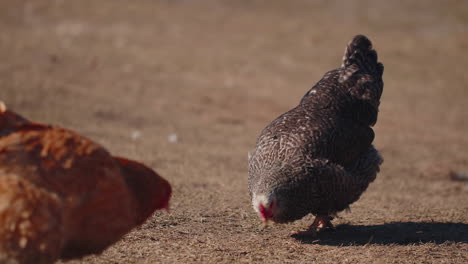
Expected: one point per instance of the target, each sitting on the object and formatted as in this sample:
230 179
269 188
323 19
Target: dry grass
215 73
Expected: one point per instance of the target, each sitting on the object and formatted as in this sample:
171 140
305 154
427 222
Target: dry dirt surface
186 87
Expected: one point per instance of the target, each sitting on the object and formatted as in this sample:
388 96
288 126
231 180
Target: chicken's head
265 207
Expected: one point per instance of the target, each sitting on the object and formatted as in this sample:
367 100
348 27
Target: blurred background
186 87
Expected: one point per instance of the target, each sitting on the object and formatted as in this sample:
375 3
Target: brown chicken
64 196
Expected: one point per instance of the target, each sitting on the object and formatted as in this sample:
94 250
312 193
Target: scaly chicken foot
320 223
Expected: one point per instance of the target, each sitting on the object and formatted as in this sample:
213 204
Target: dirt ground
186 86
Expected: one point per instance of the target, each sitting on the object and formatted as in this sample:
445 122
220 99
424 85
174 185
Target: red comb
266 213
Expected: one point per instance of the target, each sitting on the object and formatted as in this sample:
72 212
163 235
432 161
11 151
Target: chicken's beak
266 213
3 107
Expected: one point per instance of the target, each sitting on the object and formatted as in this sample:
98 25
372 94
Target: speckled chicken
64 196
318 157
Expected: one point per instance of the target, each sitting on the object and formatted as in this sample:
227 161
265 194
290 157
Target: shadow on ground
392 233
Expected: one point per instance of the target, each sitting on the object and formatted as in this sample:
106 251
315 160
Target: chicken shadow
400 233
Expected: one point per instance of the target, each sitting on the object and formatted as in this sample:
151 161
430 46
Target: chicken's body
64 196
318 157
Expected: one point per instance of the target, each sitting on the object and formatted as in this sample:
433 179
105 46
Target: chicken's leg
321 222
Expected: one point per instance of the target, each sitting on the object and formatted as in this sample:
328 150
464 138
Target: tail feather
359 56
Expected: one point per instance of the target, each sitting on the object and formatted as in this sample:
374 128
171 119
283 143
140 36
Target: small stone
172 138
135 134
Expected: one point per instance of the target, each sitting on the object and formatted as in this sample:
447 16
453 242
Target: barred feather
318 157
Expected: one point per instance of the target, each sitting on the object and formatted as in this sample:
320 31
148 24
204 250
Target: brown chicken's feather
78 198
